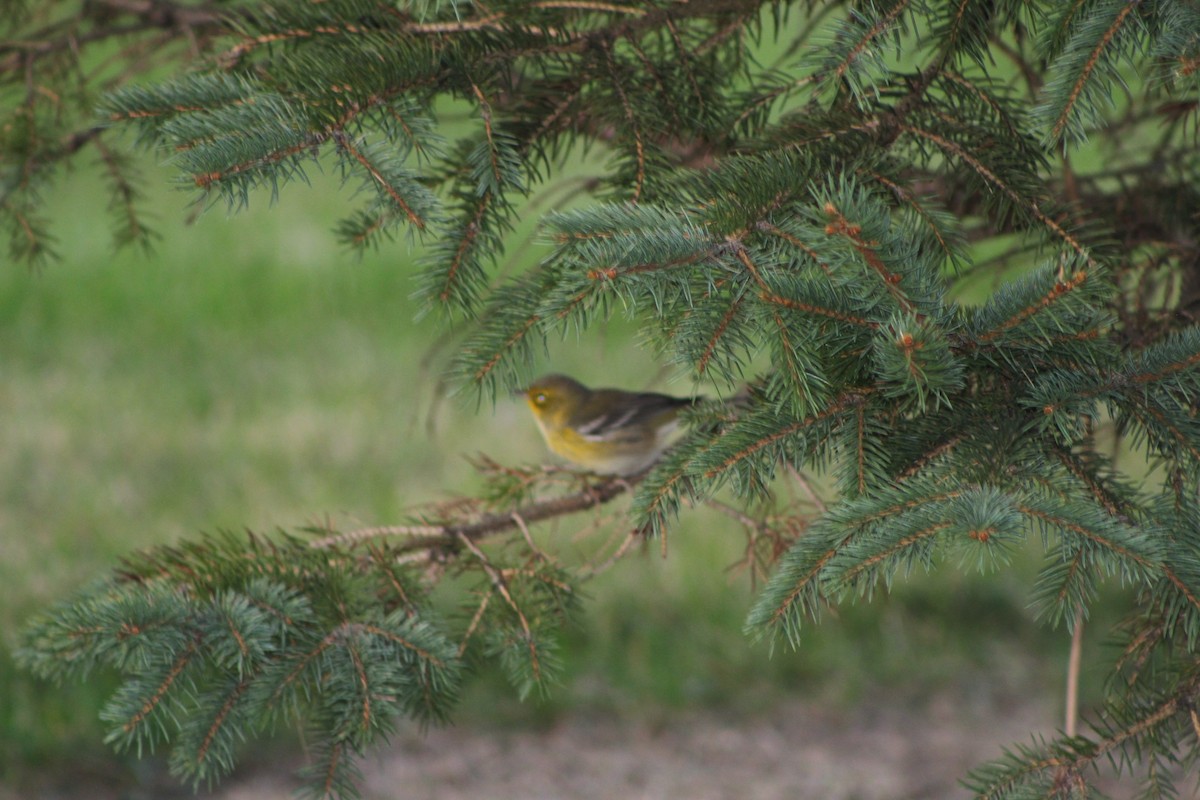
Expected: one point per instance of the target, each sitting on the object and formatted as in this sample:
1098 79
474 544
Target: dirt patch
802 750
885 749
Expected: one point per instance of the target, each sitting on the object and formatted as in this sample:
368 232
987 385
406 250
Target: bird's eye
540 398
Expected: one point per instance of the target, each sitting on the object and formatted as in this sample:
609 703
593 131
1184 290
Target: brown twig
618 554
1072 720
798 476
431 536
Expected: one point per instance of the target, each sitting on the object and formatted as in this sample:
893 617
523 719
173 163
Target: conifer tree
806 224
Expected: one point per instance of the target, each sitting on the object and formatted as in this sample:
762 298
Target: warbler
606 431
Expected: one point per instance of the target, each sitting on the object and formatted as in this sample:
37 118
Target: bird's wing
627 416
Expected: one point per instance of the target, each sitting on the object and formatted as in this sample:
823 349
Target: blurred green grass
249 374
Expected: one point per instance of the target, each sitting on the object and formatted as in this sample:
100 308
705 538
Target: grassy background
249 374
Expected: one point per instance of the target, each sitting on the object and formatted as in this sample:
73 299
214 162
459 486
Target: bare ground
875 751
884 749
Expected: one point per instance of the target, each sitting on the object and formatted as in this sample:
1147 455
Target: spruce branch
1059 289
797 305
1060 767
853 223
1080 63
1030 206
856 37
389 186
849 400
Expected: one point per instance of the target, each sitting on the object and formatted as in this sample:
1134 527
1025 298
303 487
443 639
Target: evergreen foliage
813 224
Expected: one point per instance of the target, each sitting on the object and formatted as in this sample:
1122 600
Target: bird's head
554 395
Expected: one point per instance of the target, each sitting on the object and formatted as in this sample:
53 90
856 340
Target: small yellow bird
606 431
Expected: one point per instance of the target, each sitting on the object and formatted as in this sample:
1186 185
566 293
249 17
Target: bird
605 431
